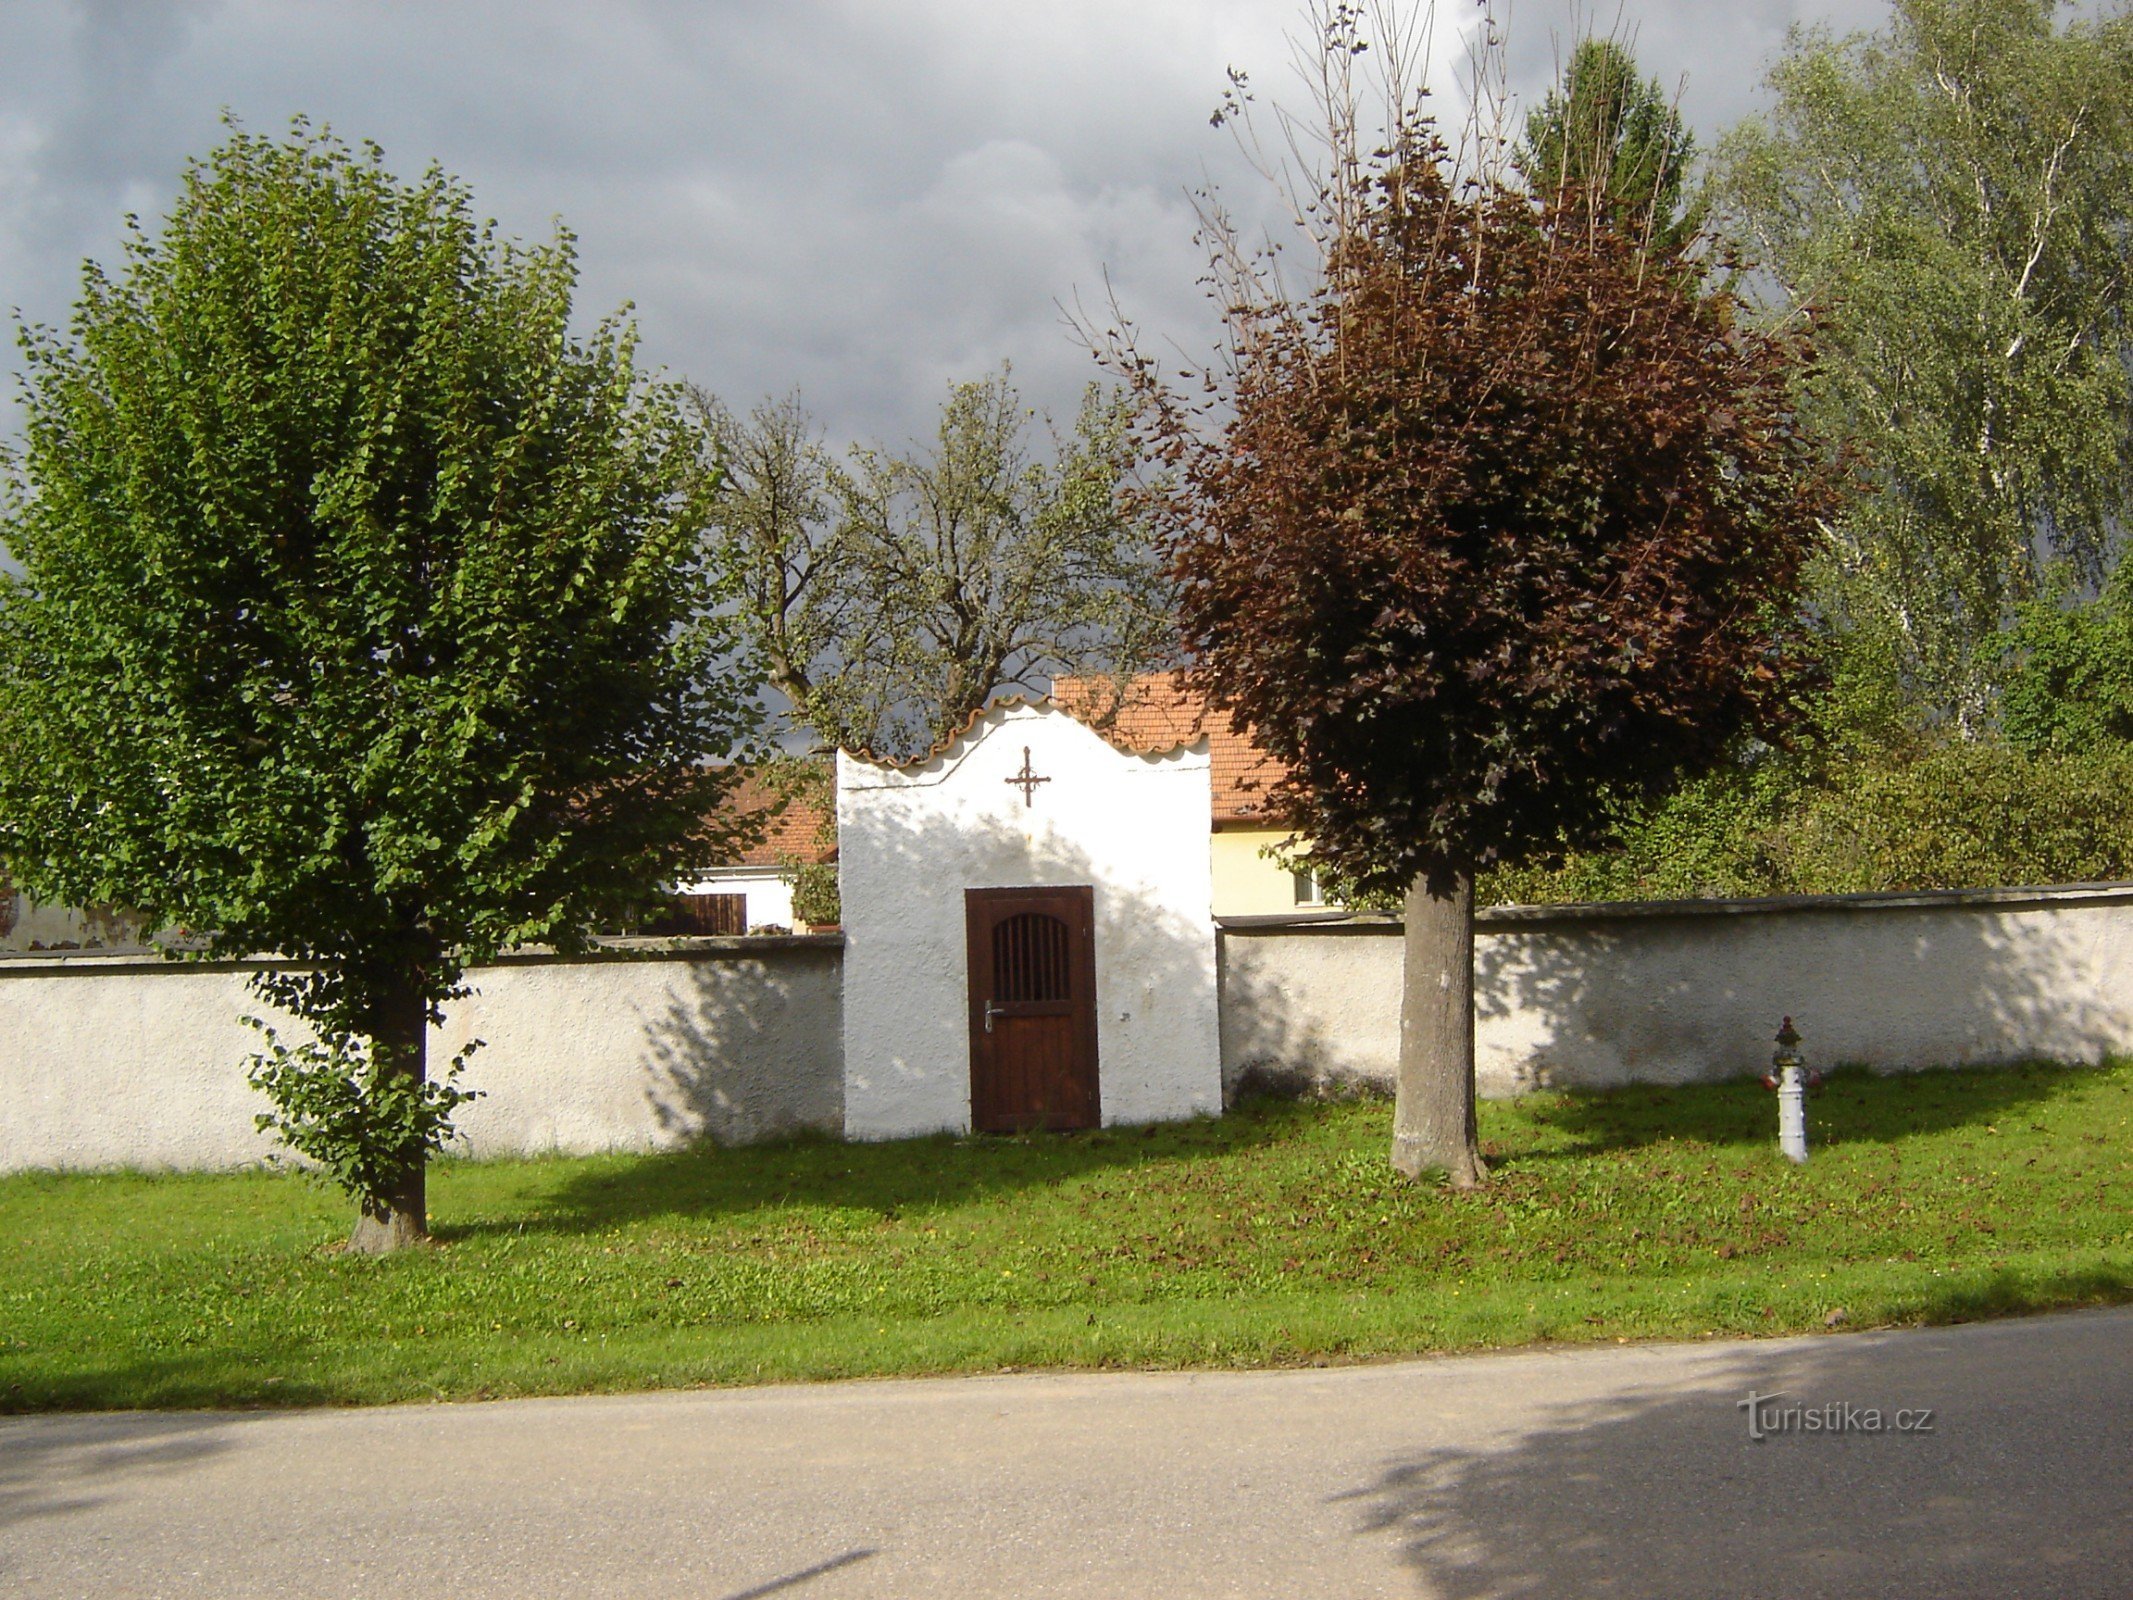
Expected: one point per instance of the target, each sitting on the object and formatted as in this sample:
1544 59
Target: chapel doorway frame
1033 1050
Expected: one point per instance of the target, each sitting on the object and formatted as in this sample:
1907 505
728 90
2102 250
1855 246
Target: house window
1307 890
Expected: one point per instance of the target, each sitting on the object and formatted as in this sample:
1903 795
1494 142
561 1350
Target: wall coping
709 947
2041 897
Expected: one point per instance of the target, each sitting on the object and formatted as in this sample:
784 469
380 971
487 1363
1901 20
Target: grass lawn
1273 1236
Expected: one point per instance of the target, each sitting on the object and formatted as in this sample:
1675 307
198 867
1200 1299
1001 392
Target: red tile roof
1159 710
1157 742
1148 715
793 827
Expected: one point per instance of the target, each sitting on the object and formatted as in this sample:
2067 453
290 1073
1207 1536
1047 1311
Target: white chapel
1029 930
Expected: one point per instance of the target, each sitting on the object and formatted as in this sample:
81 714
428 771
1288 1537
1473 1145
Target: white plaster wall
129 1061
912 840
106 1061
133 1062
642 1054
1574 998
1306 1007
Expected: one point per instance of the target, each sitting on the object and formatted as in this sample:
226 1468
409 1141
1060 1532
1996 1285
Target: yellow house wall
1249 883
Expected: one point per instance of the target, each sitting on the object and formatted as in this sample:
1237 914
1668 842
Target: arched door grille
1029 959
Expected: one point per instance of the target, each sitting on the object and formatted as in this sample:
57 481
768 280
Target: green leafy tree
361 618
1607 130
1959 814
1502 523
2069 676
893 594
1949 201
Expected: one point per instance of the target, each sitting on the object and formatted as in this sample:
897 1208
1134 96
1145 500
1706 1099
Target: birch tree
1948 204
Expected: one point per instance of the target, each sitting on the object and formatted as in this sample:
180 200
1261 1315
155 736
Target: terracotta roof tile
1156 740
1161 710
1151 714
794 829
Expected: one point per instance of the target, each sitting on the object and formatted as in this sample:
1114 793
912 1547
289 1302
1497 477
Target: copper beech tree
1500 523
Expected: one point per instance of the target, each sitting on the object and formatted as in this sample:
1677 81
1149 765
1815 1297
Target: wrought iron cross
1027 779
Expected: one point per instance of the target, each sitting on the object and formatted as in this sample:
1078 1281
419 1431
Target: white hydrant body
1792 1095
1792 1112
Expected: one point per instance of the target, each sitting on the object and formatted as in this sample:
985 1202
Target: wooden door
1032 1008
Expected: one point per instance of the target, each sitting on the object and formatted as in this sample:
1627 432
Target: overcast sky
864 201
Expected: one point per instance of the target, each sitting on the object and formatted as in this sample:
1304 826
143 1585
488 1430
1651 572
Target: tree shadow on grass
1852 1105
2020 1483
889 1178
233 1378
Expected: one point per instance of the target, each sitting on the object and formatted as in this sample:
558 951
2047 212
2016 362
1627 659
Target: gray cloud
863 200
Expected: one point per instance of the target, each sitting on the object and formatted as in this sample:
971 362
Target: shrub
814 892
1963 814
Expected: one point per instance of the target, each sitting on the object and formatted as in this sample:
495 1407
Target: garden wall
131 1060
1681 991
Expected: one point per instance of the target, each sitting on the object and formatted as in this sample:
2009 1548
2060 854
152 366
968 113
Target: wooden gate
1032 1008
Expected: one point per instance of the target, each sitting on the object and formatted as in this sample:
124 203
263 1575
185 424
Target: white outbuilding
1029 933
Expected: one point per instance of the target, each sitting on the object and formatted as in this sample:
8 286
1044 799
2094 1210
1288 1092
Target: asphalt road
1578 1473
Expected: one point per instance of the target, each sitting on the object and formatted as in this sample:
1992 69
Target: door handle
991 1011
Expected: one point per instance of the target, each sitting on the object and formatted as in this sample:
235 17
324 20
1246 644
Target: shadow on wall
1314 1017
2018 1487
1573 999
1595 1002
748 1048
906 993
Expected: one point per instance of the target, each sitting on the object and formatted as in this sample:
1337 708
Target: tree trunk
399 1216
1433 1128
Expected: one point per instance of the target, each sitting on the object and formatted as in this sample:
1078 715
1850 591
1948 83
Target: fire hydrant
1791 1088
